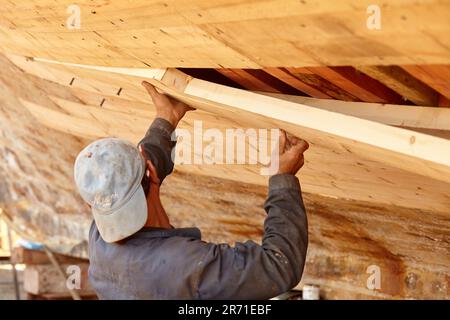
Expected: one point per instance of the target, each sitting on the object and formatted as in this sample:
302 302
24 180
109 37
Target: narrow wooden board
391 114
366 138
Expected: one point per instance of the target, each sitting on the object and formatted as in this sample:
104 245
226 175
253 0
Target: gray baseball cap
108 174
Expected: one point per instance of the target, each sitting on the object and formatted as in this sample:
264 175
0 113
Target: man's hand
167 108
291 153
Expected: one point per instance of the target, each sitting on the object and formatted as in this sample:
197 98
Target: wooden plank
395 115
231 34
285 76
435 76
361 86
403 83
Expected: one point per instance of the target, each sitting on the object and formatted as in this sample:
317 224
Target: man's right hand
291 153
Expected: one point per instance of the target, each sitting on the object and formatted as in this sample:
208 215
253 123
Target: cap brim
125 221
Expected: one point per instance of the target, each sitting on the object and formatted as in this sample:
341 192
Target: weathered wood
231 34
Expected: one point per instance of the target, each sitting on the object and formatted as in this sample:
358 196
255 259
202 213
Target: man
135 253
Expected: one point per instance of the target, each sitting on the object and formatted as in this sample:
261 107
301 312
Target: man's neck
156 215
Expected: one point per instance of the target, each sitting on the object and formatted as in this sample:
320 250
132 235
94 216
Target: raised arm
157 143
252 271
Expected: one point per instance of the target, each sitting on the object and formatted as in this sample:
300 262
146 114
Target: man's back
151 264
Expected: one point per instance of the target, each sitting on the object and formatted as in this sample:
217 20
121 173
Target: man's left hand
167 107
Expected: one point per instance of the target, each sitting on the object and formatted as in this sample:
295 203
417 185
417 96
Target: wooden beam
357 84
403 83
390 114
237 34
